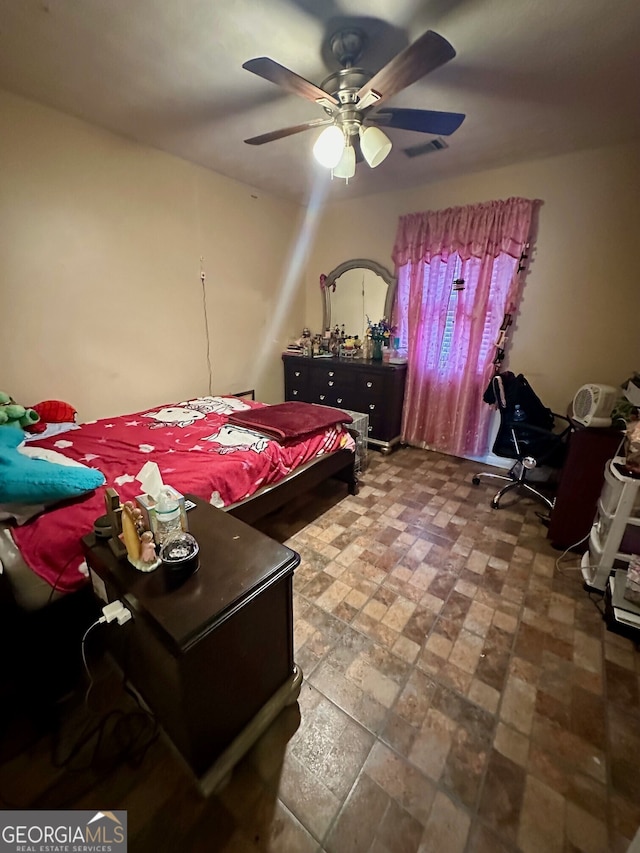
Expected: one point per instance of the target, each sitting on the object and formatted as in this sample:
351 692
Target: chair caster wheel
475 481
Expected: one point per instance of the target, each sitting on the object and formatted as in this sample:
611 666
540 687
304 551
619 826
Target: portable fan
592 405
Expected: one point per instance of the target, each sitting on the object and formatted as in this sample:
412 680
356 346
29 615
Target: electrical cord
203 279
58 576
564 554
119 735
129 731
600 609
115 611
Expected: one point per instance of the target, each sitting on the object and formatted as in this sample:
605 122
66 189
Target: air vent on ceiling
436 144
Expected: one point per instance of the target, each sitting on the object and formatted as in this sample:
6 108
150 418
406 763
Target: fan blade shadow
426 54
327 7
541 86
287 131
382 40
421 121
270 70
182 114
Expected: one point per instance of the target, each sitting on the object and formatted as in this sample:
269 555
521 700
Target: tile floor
461 695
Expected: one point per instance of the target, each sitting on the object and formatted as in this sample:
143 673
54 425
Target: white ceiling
534 77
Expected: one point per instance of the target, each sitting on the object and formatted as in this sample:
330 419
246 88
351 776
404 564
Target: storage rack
618 513
361 426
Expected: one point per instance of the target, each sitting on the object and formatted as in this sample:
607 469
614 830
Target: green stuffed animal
15 415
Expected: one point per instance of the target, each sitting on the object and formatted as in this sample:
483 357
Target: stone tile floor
461 693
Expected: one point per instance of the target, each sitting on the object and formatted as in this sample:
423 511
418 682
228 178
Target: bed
202 448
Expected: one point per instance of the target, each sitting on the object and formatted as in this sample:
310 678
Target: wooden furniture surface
208 655
580 484
374 388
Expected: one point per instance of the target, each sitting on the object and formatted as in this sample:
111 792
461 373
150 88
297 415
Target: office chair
525 434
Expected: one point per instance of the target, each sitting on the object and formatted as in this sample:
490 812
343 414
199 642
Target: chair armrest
530 428
562 417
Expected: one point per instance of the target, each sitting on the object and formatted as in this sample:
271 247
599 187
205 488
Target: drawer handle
330 384
322 396
331 373
295 393
372 406
369 384
339 399
297 373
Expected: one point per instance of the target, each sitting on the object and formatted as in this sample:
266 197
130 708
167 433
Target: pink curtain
450 333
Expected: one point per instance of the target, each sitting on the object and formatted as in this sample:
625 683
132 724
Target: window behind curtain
454 347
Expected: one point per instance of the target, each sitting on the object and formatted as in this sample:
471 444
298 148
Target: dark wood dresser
213 657
374 388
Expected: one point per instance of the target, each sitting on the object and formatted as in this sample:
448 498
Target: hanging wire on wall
203 279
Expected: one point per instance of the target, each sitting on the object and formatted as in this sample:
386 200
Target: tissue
151 481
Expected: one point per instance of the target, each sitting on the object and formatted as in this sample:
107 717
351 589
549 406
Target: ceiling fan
351 97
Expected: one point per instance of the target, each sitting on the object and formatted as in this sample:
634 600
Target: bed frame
339 465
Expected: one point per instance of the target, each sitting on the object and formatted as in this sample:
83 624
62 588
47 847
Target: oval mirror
356 290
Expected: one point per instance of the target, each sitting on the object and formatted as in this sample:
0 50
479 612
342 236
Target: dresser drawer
328 397
296 380
370 386
329 376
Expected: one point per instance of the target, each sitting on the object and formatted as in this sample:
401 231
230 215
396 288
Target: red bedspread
286 421
198 452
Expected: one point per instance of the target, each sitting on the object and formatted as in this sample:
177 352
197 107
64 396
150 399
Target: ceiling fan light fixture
375 145
346 167
329 147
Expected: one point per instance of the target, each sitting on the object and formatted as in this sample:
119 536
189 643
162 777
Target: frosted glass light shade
346 168
375 145
329 147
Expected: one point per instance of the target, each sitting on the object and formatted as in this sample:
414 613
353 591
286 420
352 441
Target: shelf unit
618 513
621 611
360 425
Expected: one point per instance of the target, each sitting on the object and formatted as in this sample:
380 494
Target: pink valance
472 231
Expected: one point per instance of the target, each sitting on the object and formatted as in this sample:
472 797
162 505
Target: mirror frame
358 263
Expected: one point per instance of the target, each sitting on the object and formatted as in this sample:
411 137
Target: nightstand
212 658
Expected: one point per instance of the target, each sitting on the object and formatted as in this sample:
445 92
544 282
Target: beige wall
580 315
100 293
100 247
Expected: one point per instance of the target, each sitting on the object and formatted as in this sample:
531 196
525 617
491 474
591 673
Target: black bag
506 391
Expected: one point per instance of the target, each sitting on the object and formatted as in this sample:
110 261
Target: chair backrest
506 391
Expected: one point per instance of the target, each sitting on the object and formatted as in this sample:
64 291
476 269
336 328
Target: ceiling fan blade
270 70
422 121
287 131
426 54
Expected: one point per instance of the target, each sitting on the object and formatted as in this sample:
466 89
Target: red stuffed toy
52 412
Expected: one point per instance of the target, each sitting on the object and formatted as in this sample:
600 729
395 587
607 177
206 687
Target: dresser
374 388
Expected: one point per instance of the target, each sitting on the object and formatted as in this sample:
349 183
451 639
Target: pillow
49 430
37 481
